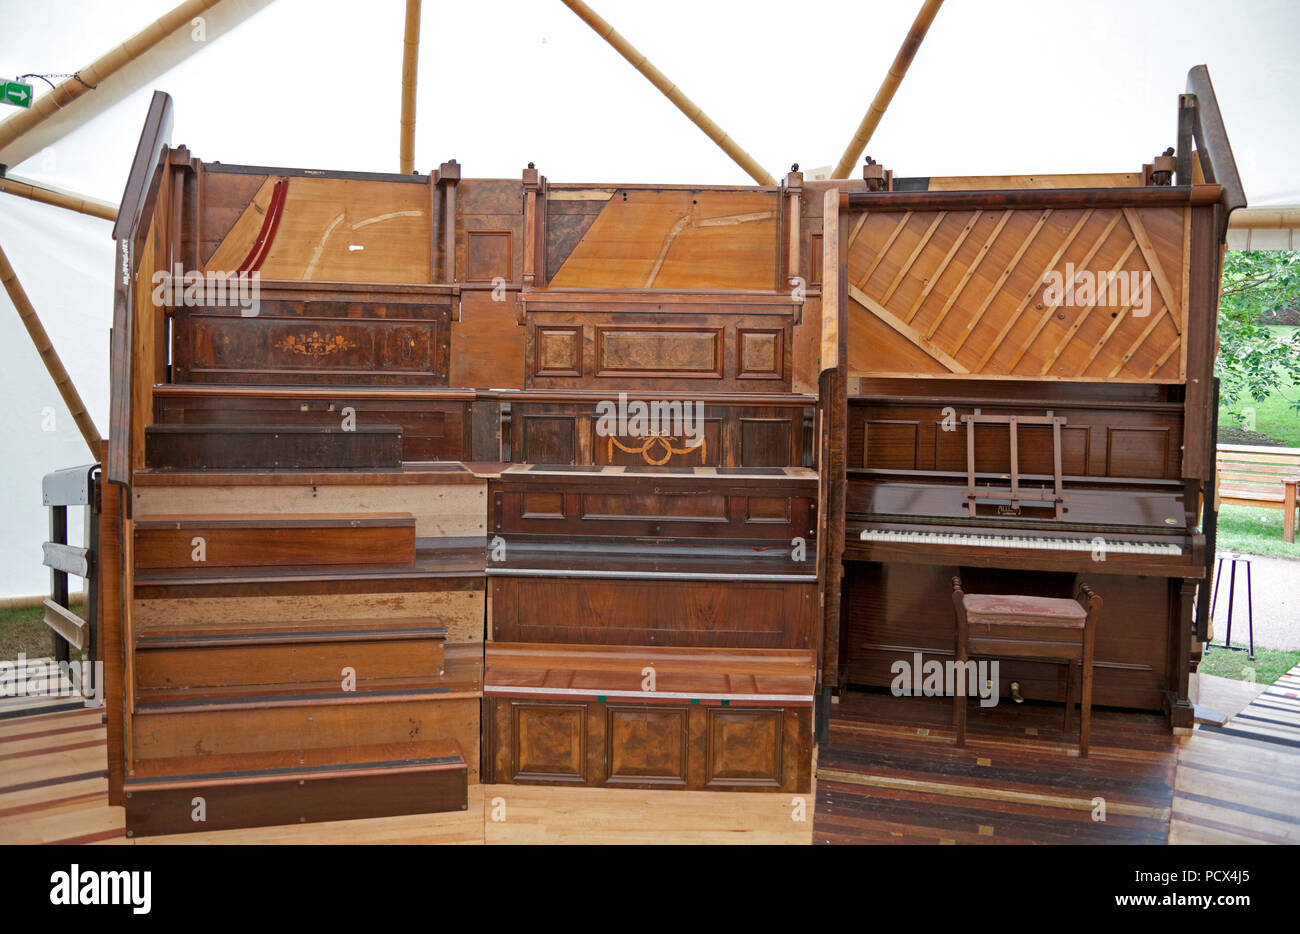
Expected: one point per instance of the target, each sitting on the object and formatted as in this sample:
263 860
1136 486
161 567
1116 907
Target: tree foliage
1255 360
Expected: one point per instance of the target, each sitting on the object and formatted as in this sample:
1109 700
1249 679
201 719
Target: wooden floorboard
893 774
890 774
1240 783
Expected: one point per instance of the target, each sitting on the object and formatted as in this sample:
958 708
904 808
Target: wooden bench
1260 476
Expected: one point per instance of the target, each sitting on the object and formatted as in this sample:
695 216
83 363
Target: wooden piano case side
111 578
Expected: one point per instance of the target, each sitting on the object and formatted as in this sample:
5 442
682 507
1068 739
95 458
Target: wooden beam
68 625
60 199
410 69
91 75
62 381
671 91
893 78
66 558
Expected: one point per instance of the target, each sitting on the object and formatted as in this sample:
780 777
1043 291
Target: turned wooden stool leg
1069 697
959 651
1085 712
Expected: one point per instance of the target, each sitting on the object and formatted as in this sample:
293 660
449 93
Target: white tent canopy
999 87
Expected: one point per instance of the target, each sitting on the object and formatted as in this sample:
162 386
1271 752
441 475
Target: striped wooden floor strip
1240 783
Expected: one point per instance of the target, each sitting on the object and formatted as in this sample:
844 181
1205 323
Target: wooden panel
650 353
660 433
1077 293
283 796
549 742
261 541
431 428
677 239
449 510
559 351
338 229
548 439
652 612
744 747
408 348
269 447
613 506
1137 437
761 353
647 745
488 255
487 345
169 735
635 343
662 746
461 612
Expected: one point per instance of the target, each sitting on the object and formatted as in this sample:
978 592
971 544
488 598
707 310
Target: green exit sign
16 93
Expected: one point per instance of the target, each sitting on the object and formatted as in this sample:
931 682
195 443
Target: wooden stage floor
890 774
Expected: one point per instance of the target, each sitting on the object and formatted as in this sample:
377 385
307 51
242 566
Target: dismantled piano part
569 484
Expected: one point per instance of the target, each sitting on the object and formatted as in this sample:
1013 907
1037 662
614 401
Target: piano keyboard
1111 546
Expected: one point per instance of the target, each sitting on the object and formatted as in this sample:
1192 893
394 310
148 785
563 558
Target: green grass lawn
1254 531
1275 421
1268 666
24 630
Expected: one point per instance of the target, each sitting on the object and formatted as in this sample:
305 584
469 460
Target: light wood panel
967 291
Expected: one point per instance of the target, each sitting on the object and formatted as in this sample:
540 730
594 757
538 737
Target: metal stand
1232 589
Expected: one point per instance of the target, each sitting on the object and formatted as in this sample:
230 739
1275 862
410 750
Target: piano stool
1037 628
1233 560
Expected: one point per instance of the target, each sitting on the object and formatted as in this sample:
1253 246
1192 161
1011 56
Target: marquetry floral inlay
314 345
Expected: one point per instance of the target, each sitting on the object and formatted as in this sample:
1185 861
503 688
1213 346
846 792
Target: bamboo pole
410 72
70 89
671 91
62 381
60 199
906 52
